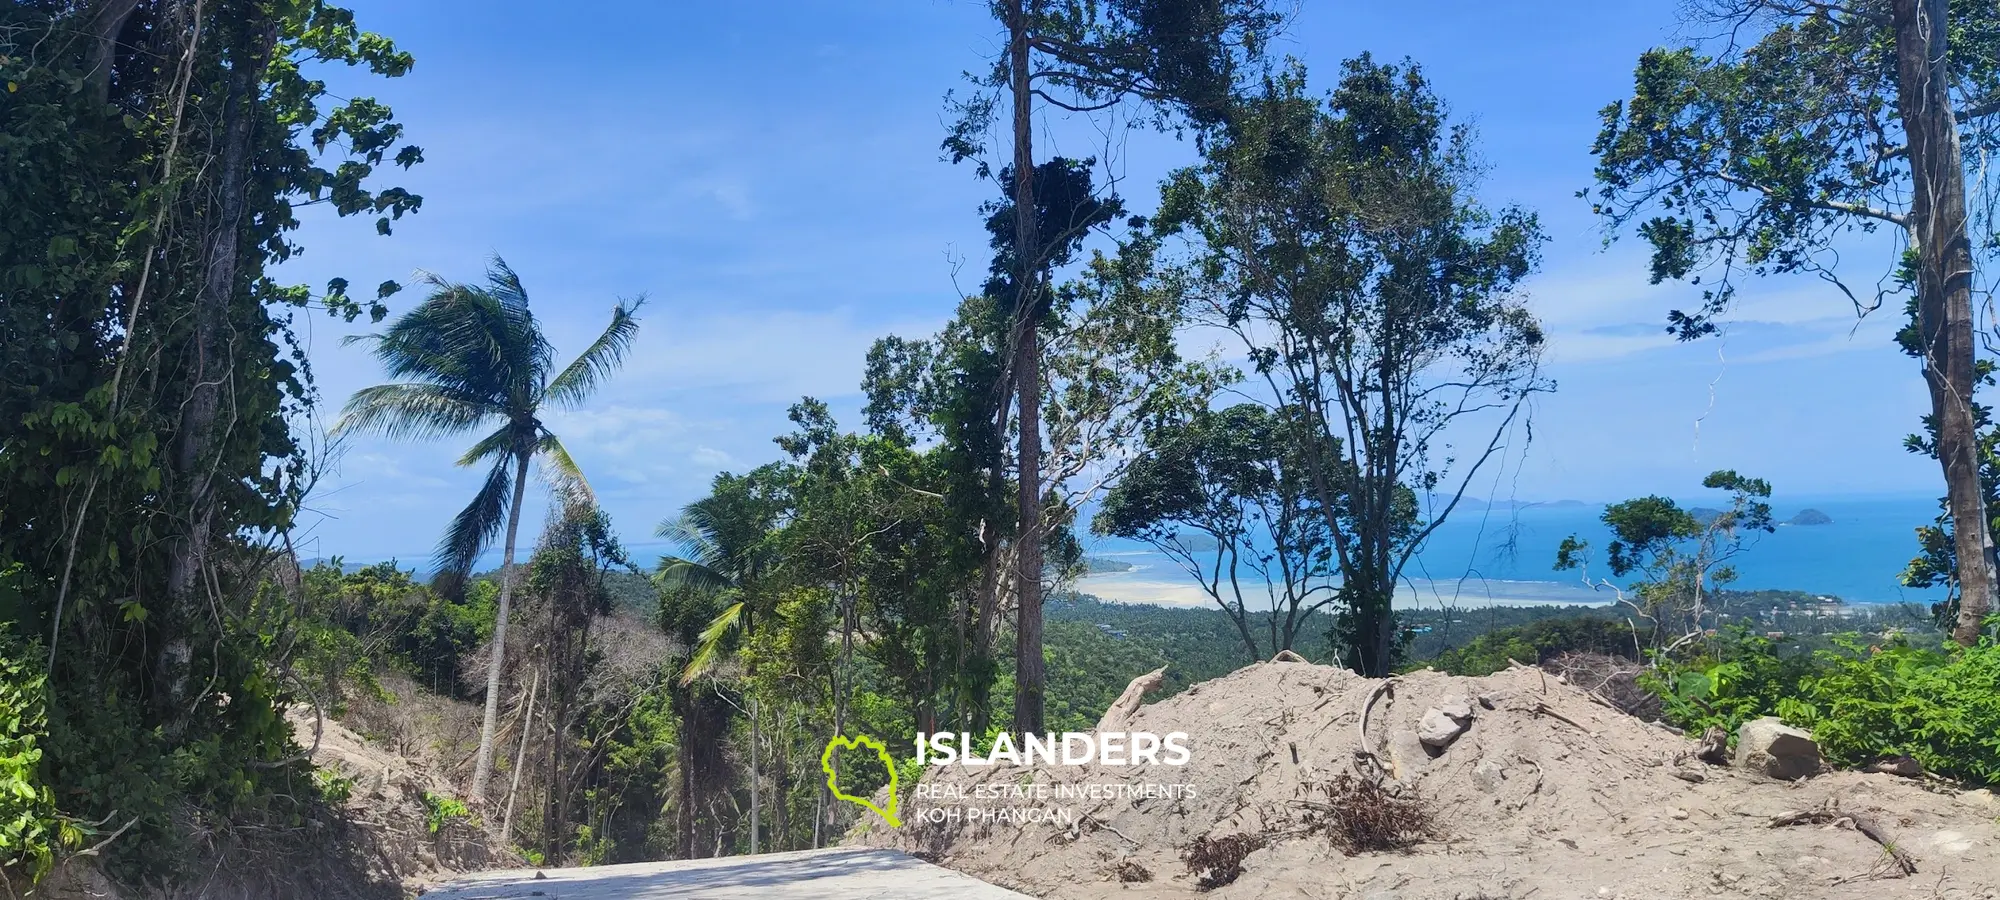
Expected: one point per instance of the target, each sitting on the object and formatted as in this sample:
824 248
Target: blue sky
768 175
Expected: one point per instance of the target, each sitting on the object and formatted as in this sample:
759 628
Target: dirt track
837 874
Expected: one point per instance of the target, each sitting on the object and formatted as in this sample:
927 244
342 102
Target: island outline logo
881 752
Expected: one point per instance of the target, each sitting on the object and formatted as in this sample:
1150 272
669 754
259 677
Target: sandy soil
1549 794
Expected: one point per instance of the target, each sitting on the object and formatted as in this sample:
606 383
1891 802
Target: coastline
1146 585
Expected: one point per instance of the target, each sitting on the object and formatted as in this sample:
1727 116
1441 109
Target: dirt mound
1543 791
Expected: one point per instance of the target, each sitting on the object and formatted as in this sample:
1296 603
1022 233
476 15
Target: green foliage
1681 556
1235 476
1764 157
636 786
1726 680
379 615
1538 642
442 811
1940 707
1862 701
1340 239
334 788
147 196
471 357
31 830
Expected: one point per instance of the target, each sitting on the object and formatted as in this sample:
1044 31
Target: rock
1770 746
1438 728
1458 709
1980 799
1714 747
1488 775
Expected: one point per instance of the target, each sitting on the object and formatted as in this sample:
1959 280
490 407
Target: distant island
1197 542
1098 565
1503 505
1705 515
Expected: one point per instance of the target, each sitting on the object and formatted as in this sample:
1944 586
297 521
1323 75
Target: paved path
835 874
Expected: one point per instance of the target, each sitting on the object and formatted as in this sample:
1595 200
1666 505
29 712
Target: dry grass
1612 679
414 723
1360 816
1130 872
1218 861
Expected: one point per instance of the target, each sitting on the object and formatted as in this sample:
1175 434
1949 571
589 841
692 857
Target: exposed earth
1545 792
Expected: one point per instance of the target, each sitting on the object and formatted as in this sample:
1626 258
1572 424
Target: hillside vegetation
903 562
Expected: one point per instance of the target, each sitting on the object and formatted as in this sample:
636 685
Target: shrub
1730 679
1219 861
1862 702
1941 708
441 811
335 789
30 830
1359 816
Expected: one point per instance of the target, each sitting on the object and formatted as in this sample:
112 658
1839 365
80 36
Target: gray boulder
1440 726
1770 746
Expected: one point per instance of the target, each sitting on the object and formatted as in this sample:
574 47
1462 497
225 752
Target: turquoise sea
1483 556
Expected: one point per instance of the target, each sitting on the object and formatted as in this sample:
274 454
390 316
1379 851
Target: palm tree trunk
755 735
482 769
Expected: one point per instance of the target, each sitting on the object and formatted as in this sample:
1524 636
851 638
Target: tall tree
1770 157
1184 57
567 573
1682 558
726 544
1341 241
1226 493
947 391
1111 365
157 152
471 357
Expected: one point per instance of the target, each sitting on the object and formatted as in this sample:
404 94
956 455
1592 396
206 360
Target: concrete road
833 874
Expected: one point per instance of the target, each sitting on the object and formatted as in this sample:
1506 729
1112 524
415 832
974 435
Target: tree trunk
1029 675
209 368
843 683
520 759
756 817
107 25
1944 291
482 768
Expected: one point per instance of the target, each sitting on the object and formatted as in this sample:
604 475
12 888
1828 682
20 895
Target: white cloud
709 456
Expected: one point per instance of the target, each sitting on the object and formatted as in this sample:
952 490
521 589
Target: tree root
1829 813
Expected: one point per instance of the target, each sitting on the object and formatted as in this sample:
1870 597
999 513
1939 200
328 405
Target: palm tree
468 358
723 547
